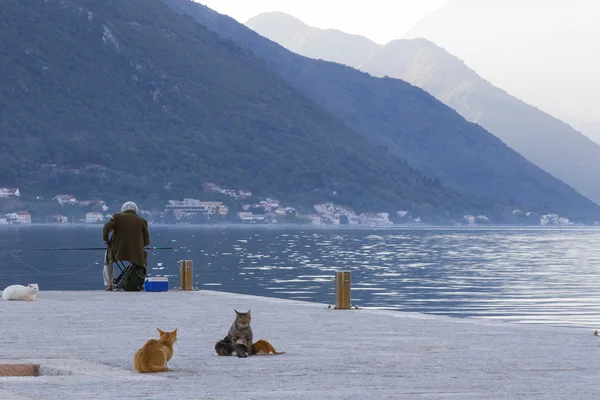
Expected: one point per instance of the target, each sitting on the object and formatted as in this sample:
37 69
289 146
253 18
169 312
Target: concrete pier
84 343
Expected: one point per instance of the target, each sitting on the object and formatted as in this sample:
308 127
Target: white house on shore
249 217
20 217
24 217
553 219
94 217
195 206
375 219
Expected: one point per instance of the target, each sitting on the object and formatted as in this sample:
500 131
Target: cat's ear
175 332
159 331
248 313
236 311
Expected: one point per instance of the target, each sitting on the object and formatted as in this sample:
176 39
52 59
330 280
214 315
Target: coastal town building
233 193
377 219
197 206
190 207
58 219
553 219
403 214
329 213
8 192
21 217
63 199
12 217
94 217
249 217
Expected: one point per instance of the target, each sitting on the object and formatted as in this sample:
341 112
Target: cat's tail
137 361
272 349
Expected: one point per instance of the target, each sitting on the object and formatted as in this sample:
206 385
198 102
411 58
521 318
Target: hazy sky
542 51
379 20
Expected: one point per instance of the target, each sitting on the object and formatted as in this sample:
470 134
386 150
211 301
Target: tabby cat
240 333
155 354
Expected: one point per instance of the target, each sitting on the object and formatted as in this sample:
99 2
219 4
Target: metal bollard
186 278
342 290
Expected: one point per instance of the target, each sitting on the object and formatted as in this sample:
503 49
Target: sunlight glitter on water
516 275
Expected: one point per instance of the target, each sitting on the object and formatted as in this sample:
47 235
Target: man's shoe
109 289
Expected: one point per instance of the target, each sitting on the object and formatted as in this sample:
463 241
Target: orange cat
155 354
262 346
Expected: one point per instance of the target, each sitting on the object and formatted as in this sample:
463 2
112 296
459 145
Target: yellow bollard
186 278
342 290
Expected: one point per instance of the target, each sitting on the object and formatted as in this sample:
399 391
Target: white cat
20 292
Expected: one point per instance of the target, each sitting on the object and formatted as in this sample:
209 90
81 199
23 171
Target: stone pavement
84 343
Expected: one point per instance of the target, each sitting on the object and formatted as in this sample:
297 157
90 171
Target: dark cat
223 347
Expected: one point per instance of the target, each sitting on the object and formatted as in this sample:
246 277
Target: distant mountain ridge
408 122
590 127
544 140
295 35
541 51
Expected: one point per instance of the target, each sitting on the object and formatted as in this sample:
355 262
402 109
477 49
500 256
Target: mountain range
149 95
541 138
405 120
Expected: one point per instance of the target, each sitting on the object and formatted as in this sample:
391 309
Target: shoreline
423 227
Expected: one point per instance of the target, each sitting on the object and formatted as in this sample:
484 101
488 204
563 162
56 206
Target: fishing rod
84 249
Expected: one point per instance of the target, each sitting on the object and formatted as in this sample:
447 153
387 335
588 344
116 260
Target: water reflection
525 276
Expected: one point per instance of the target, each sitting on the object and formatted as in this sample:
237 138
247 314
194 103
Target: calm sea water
533 275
